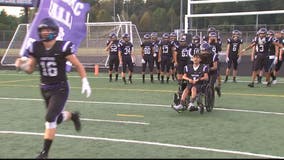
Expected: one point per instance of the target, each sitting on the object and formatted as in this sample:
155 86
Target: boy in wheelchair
195 75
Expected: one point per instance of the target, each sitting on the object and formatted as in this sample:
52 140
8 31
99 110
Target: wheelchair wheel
209 98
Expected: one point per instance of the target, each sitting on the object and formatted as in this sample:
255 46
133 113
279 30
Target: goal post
13 49
192 15
91 49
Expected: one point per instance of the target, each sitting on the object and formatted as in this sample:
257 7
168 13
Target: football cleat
274 81
201 109
176 100
42 155
251 85
218 90
76 120
192 108
177 108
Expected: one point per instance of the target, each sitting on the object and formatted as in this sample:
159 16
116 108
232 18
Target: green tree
160 20
173 19
146 22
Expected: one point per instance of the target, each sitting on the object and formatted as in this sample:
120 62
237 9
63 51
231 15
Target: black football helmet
211 29
262 31
126 37
236 33
154 35
182 39
205 47
212 34
165 36
50 24
270 32
147 36
112 36
195 39
173 34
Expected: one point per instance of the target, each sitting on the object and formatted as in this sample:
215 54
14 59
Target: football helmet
112 36
154 35
236 32
182 39
173 34
48 23
147 36
125 35
165 36
212 34
270 32
195 39
262 31
205 47
211 29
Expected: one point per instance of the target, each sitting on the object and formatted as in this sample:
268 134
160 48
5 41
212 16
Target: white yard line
142 104
149 143
113 121
279 79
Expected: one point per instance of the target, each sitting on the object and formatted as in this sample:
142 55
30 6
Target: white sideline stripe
249 111
113 121
141 104
157 105
148 143
91 77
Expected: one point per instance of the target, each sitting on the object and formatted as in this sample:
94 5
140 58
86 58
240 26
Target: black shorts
149 59
233 61
269 64
279 64
197 86
180 67
166 63
260 61
127 62
113 61
55 97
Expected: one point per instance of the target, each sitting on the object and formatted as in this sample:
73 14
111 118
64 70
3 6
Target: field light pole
114 10
181 13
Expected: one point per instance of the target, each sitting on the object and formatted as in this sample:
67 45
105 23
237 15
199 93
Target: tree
160 20
146 22
173 19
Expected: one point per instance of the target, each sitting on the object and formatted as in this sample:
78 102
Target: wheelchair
204 99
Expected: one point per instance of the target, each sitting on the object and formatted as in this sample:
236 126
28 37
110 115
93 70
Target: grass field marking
161 91
113 121
25 80
90 75
149 143
251 94
130 115
150 105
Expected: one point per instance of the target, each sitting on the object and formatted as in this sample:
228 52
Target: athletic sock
124 80
152 78
143 78
46 145
110 77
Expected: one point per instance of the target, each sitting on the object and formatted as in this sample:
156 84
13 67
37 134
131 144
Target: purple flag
70 15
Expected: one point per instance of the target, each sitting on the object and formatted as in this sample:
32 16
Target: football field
136 121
